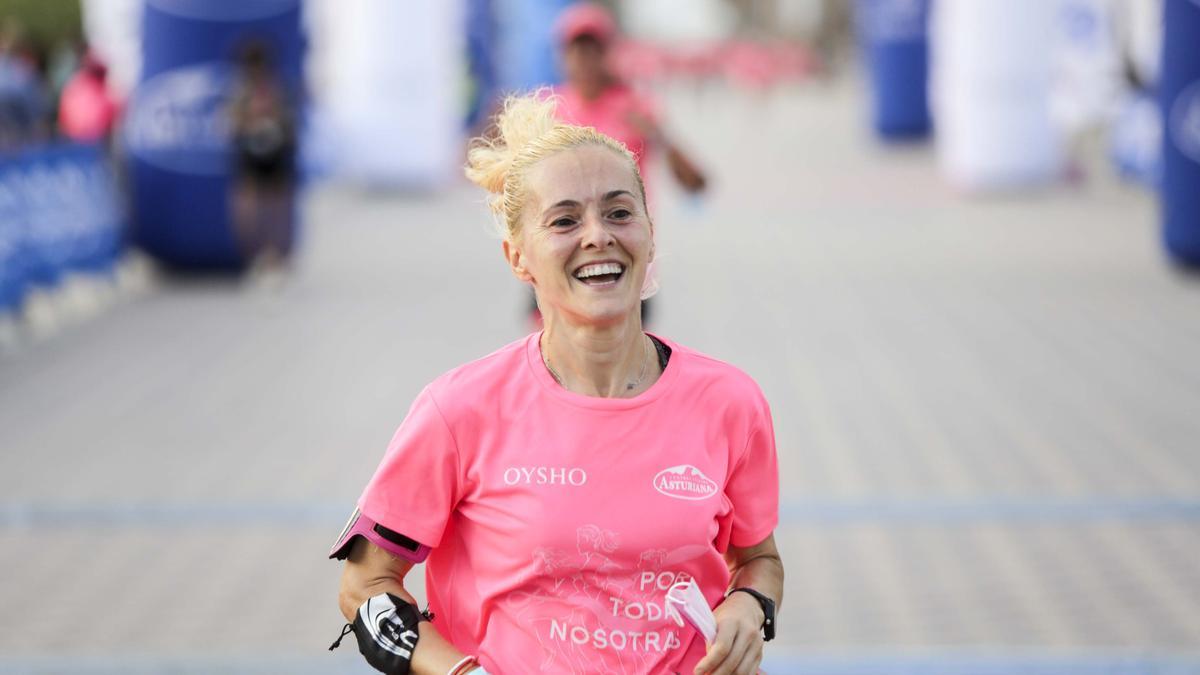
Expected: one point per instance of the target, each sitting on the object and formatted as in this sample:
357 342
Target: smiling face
585 240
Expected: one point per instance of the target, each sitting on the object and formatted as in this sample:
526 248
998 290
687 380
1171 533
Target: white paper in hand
686 602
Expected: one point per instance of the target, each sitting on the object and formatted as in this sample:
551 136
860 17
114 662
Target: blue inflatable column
1180 92
177 131
893 35
527 47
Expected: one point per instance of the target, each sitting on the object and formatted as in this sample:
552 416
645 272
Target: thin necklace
628 387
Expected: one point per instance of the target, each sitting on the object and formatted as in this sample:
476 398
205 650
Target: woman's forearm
371 571
758 567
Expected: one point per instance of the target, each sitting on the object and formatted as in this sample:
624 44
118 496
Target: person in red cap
592 95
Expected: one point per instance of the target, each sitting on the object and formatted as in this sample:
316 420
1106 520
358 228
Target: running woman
556 489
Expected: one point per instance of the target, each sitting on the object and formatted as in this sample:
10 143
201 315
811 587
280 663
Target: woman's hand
738 647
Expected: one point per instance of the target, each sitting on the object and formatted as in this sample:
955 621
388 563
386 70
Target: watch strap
768 609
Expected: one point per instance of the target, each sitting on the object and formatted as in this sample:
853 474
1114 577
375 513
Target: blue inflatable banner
894 38
177 128
59 214
1180 98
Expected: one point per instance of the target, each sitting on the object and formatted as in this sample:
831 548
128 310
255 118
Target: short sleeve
416 486
753 486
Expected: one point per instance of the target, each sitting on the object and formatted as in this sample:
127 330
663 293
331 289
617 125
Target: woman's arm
738 645
370 571
685 171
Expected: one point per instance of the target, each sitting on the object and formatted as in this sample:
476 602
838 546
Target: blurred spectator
87 111
594 96
23 107
264 133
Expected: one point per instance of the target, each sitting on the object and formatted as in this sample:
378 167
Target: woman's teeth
599 272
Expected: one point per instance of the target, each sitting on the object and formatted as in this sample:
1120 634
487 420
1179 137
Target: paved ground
988 413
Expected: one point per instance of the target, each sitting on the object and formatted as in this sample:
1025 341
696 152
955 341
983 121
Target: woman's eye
620 214
562 222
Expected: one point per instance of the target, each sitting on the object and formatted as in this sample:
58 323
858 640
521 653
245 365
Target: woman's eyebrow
571 203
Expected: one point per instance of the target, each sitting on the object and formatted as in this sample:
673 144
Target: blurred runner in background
594 96
264 132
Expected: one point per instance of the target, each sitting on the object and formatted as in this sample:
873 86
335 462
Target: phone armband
391 541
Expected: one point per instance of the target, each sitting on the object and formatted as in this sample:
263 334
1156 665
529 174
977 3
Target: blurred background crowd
136 109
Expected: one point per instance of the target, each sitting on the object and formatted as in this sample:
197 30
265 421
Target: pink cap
585 18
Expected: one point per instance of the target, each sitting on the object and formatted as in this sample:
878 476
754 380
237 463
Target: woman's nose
595 234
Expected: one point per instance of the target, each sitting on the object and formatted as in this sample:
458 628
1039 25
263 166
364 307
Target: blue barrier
176 127
1180 99
894 38
59 214
12 238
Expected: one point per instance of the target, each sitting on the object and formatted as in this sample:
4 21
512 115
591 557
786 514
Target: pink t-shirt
611 114
558 521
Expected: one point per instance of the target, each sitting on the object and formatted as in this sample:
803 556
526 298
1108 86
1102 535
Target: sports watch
768 608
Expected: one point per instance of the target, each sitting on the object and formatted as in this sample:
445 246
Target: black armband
386 630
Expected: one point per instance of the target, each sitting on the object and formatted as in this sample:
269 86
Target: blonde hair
525 133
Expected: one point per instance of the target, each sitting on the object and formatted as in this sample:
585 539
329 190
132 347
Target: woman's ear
516 261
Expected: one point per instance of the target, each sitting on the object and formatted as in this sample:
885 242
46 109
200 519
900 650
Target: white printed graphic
685 482
545 475
178 120
600 616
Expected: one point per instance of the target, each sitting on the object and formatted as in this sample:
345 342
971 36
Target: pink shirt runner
612 115
558 521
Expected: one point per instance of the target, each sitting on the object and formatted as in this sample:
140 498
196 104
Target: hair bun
526 132
523 120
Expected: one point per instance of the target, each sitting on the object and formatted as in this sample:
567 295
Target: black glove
386 630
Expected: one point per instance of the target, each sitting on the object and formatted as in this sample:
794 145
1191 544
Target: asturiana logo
684 482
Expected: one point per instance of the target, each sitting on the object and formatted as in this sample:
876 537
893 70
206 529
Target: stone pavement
988 415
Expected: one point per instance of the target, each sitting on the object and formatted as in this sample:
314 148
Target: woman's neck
612 362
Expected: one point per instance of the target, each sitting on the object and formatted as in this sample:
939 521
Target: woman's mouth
600 274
